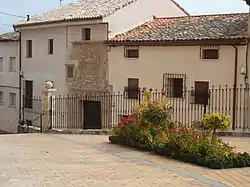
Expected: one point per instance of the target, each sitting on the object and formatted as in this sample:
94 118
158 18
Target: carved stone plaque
90 71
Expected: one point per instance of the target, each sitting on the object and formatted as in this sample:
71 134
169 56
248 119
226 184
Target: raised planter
219 163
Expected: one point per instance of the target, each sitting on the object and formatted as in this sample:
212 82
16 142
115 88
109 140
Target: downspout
235 86
20 75
246 76
246 88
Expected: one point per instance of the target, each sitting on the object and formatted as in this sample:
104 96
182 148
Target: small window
133 88
174 85
12 99
210 52
1 97
29 48
51 46
131 52
12 65
1 64
70 71
86 33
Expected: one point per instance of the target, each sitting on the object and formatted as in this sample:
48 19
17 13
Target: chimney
28 17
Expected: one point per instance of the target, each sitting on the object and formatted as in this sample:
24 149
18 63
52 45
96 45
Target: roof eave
9 40
236 41
56 22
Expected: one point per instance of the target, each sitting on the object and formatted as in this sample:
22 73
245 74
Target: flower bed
149 128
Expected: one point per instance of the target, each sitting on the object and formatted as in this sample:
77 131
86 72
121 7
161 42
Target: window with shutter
29 48
86 33
201 92
133 88
28 102
51 46
174 85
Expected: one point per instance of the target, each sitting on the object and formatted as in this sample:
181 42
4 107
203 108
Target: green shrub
153 112
216 121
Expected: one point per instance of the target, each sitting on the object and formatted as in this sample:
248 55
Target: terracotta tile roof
81 9
10 36
201 27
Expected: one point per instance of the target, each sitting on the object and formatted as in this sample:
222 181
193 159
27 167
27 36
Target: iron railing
32 113
68 111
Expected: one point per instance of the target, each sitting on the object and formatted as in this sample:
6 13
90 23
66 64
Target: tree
247 2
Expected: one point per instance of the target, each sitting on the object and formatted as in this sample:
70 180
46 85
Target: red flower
143 127
186 130
131 132
217 133
194 142
123 118
126 122
239 153
203 134
138 121
119 126
181 143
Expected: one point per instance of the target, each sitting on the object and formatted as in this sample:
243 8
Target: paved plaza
84 160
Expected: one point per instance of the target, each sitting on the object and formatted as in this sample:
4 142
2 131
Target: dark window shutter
177 87
201 92
133 88
28 102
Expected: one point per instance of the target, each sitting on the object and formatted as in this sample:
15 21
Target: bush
151 129
153 112
216 121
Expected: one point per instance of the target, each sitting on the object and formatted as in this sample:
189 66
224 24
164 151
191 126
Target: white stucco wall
138 13
153 62
9 83
43 66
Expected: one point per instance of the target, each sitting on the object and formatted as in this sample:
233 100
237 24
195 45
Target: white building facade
47 39
9 82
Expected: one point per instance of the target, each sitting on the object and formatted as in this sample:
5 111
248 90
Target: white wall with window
9 86
183 65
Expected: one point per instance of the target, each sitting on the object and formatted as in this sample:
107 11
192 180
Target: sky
31 7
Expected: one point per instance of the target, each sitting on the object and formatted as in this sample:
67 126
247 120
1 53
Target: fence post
234 106
46 107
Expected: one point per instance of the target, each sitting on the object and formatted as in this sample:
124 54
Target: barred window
210 52
131 52
174 84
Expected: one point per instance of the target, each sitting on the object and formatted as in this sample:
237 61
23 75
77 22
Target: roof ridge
202 15
180 7
222 26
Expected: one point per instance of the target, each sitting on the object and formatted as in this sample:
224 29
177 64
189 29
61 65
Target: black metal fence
68 111
32 111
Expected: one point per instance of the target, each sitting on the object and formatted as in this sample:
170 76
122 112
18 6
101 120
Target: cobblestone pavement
84 160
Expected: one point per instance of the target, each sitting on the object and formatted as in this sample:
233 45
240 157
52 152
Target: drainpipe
235 84
246 76
246 121
20 75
